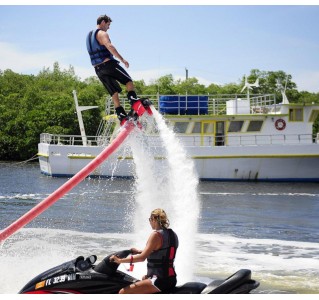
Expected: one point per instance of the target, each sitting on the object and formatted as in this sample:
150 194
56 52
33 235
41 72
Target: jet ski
83 276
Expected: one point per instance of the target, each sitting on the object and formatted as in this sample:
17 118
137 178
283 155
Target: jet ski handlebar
106 266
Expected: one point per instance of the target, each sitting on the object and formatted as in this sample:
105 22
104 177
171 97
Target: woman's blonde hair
160 216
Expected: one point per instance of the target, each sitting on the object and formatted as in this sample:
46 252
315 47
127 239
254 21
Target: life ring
280 124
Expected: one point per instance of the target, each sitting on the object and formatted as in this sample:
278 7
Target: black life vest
98 53
161 261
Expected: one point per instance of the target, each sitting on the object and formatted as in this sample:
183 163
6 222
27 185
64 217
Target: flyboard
139 107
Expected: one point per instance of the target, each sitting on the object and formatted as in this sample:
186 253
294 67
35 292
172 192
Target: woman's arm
154 243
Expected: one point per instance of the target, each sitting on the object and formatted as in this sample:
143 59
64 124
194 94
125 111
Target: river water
270 228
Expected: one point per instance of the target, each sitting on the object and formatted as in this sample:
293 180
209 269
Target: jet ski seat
189 288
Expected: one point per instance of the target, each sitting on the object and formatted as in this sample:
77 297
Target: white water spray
172 185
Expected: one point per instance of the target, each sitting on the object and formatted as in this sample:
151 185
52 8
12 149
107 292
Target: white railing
277 139
191 140
70 140
203 104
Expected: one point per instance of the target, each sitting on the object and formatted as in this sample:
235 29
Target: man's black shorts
110 73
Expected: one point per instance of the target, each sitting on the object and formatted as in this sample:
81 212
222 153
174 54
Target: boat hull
225 163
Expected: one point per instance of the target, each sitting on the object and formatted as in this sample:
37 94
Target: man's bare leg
116 100
130 86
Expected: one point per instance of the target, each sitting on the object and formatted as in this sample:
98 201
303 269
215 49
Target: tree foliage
31 105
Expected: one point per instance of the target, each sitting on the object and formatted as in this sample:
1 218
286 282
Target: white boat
229 137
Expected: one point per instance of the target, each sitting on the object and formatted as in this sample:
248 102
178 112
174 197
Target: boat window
255 125
314 115
208 127
180 127
235 126
296 114
196 128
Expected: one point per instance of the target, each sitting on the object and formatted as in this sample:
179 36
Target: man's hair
103 18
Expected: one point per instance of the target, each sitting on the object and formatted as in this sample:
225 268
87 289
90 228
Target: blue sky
216 43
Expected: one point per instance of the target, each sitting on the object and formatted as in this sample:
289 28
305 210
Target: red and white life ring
280 124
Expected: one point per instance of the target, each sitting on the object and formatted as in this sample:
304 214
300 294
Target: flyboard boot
121 114
138 107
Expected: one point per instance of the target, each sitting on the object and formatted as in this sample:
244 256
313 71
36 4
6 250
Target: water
270 228
164 186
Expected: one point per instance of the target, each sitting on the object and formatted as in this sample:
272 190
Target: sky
215 43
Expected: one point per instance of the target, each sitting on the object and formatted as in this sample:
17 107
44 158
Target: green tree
164 85
270 83
214 89
31 105
190 86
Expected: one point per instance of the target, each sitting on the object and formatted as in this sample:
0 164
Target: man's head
104 18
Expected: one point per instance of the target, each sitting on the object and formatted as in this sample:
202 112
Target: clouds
307 81
225 42
11 57
14 57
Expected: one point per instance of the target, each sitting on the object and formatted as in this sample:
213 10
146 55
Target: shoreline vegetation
34 104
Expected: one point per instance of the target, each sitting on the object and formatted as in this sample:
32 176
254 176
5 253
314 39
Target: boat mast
79 110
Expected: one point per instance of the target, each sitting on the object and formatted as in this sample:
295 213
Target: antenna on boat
79 110
282 90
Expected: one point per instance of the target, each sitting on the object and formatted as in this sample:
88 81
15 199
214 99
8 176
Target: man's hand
125 63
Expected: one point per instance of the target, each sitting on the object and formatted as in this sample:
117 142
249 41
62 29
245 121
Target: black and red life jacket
161 261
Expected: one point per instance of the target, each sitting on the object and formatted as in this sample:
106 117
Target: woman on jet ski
160 251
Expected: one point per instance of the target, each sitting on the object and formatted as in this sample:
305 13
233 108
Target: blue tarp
184 105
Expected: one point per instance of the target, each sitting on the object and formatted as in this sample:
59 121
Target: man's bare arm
104 39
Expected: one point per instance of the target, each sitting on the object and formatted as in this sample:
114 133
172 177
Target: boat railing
244 140
191 140
251 140
206 104
278 139
72 140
